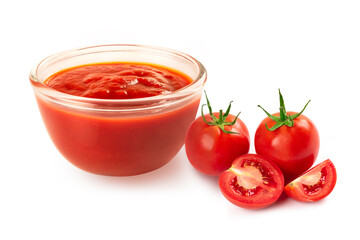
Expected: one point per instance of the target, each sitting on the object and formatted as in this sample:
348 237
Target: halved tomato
314 184
252 182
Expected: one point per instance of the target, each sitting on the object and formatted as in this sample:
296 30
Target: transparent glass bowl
118 137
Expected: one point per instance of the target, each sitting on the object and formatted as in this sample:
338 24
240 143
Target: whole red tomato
214 140
289 139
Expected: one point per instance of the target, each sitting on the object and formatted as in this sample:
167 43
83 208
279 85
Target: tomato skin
293 149
265 196
297 190
210 150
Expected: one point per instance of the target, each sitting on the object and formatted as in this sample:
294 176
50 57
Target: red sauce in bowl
117 80
110 143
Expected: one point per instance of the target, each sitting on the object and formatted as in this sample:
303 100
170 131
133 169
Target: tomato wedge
252 182
313 185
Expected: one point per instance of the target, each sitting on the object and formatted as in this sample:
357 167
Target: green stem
284 119
221 120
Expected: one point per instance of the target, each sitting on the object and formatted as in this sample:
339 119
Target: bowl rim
199 81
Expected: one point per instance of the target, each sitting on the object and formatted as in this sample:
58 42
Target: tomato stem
282 107
284 119
221 120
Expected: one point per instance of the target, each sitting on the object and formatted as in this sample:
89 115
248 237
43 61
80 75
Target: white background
309 49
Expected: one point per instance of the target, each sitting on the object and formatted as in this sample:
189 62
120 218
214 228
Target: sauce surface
118 80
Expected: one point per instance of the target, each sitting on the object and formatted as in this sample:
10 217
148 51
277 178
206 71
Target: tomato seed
241 190
312 189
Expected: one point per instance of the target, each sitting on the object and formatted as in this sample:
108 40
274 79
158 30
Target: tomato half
315 184
252 182
210 150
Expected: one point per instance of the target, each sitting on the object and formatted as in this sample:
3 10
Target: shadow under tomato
280 202
206 178
283 199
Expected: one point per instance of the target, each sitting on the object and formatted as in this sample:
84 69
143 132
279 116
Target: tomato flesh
252 182
315 184
242 190
315 188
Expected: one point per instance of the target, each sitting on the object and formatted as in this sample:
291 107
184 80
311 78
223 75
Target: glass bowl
118 137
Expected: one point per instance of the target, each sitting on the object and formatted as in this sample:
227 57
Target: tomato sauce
117 145
117 81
